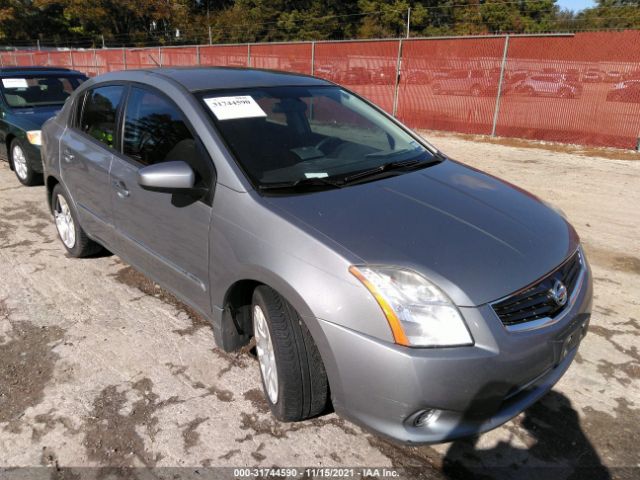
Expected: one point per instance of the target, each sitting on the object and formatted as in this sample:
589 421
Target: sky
576 4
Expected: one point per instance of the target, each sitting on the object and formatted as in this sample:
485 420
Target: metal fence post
124 59
249 55
396 87
198 54
95 62
313 57
73 64
500 82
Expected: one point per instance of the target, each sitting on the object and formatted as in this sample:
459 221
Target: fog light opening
426 418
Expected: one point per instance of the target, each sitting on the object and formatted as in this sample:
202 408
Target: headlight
418 312
34 137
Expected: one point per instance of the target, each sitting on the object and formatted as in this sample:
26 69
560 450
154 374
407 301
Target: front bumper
34 157
385 387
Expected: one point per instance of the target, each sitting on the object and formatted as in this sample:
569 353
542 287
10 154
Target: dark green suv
28 97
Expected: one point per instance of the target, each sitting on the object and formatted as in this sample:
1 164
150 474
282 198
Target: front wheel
23 170
293 375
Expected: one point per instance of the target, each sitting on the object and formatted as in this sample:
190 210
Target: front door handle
68 156
120 188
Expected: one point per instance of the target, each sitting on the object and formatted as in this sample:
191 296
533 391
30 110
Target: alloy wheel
266 354
20 162
64 222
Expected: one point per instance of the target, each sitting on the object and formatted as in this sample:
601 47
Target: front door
86 151
165 235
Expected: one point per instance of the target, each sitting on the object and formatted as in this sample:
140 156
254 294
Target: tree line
92 23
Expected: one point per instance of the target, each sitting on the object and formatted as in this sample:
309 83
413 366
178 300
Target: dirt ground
99 367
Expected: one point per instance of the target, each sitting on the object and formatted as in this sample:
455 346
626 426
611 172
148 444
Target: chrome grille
536 301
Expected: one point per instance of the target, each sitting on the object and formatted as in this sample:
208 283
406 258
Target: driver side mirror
169 177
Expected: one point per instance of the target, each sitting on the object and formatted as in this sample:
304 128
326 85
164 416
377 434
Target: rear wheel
26 175
293 375
73 237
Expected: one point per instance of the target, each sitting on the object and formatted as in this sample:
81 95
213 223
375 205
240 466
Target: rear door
165 235
86 150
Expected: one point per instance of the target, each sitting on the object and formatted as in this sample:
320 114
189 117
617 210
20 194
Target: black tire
83 246
303 389
26 176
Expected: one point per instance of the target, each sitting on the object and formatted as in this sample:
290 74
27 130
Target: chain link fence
579 88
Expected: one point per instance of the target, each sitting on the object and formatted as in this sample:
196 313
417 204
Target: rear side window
155 130
99 113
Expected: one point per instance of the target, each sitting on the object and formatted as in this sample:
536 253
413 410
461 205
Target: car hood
477 237
33 118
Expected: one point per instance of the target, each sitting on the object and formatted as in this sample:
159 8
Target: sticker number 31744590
230 108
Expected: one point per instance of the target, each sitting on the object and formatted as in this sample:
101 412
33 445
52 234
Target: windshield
36 91
283 135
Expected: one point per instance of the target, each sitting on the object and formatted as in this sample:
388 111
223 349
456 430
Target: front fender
251 242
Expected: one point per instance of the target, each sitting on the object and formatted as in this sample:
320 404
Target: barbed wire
160 38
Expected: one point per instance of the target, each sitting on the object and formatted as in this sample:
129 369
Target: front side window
155 131
99 117
38 91
296 134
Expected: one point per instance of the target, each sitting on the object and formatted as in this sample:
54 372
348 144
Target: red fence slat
24 59
182 56
450 84
223 55
291 57
41 58
109 60
569 89
367 68
582 88
60 59
85 61
143 58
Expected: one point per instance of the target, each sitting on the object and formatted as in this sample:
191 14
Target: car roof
218 78
36 70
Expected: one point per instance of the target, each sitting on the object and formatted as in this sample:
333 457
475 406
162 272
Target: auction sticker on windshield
231 108
15 83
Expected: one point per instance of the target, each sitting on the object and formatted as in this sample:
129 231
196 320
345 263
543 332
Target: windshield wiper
388 167
301 183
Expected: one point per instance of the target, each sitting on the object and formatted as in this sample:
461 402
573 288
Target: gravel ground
101 368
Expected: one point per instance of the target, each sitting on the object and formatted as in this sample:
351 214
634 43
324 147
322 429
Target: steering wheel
145 138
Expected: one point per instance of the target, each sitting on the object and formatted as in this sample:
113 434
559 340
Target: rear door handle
120 188
68 156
